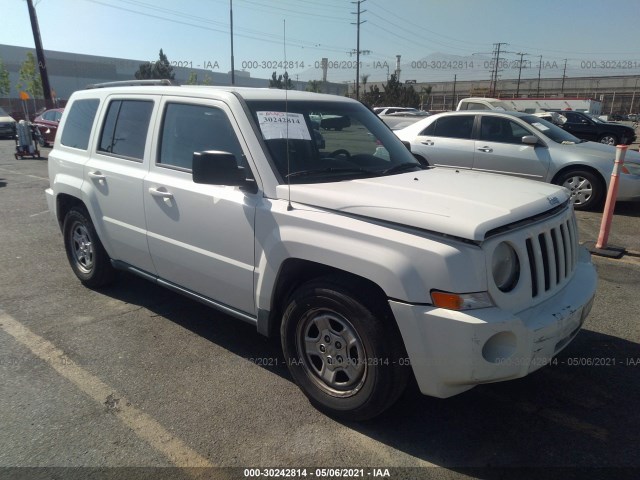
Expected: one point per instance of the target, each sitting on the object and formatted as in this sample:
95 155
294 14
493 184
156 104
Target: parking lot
138 376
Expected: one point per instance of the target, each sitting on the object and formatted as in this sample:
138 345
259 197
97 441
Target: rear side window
125 128
454 126
77 127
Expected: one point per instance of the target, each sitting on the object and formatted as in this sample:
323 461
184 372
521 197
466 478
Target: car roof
502 113
248 93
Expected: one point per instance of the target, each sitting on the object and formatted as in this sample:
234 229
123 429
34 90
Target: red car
47 122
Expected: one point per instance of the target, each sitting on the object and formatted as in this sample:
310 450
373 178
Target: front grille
552 256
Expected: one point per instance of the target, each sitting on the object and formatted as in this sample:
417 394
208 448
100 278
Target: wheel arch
64 203
294 272
577 166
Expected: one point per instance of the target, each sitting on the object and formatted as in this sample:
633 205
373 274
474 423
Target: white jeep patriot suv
370 266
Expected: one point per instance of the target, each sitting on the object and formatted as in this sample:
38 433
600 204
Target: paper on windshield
280 124
540 126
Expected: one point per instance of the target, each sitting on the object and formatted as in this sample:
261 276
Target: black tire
608 139
353 342
87 257
587 189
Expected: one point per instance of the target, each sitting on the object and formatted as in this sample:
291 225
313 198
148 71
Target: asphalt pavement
134 381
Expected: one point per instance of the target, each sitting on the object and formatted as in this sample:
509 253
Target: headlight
505 267
631 168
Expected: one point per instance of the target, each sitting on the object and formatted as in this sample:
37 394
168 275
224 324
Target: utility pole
495 70
233 73
358 23
539 72
563 76
453 99
519 72
42 63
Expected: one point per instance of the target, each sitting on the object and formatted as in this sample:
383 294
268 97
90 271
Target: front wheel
586 189
344 354
87 257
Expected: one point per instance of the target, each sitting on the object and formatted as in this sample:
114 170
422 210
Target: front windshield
328 141
594 118
3 113
499 105
550 130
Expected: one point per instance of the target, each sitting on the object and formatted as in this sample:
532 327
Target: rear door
499 149
201 237
580 126
447 142
114 173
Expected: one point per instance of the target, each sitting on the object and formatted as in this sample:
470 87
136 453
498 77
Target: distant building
69 72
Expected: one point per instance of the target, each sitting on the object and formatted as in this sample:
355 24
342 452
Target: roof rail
130 83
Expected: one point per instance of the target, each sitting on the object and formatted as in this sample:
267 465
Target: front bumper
452 351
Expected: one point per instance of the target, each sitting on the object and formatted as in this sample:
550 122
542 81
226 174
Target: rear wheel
608 139
342 352
587 191
87 257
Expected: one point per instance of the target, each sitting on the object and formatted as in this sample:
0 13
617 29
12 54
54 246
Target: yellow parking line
141 423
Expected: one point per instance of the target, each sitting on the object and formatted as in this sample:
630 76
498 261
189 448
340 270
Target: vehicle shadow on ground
3 182
628 209
581 411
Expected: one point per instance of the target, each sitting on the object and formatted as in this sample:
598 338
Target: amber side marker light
450 301
461 301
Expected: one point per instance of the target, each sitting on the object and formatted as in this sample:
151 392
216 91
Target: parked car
523 145
391 110
590 127
7 125
398 120
47 122
369 269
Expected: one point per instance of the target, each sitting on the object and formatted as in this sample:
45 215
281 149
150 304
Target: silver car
523 145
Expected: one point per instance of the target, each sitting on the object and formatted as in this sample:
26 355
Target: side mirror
530 140
213 167
407 144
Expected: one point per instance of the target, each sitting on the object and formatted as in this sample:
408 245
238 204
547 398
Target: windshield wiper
401 167
321 171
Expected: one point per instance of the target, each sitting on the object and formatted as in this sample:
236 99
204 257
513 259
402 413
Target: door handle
160 193
97 175
427 142
486 149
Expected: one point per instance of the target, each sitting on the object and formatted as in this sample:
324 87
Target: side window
77 127
125 128
496 129
195 128
430 130
455 126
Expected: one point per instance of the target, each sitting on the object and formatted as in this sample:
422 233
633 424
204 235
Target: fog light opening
499 347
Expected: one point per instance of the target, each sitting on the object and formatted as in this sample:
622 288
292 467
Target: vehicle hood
461 203
6 119
596 150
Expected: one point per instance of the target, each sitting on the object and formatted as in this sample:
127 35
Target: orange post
612 194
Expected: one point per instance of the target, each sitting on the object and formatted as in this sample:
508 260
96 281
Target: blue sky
436 38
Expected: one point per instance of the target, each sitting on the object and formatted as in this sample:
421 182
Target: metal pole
633 97
453 98
519 73
233 74
42 63
539 72
563 76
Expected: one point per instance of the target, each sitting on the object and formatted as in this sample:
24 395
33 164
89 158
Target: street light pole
633 97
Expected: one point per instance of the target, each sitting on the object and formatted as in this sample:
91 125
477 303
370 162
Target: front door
201 237
499 149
